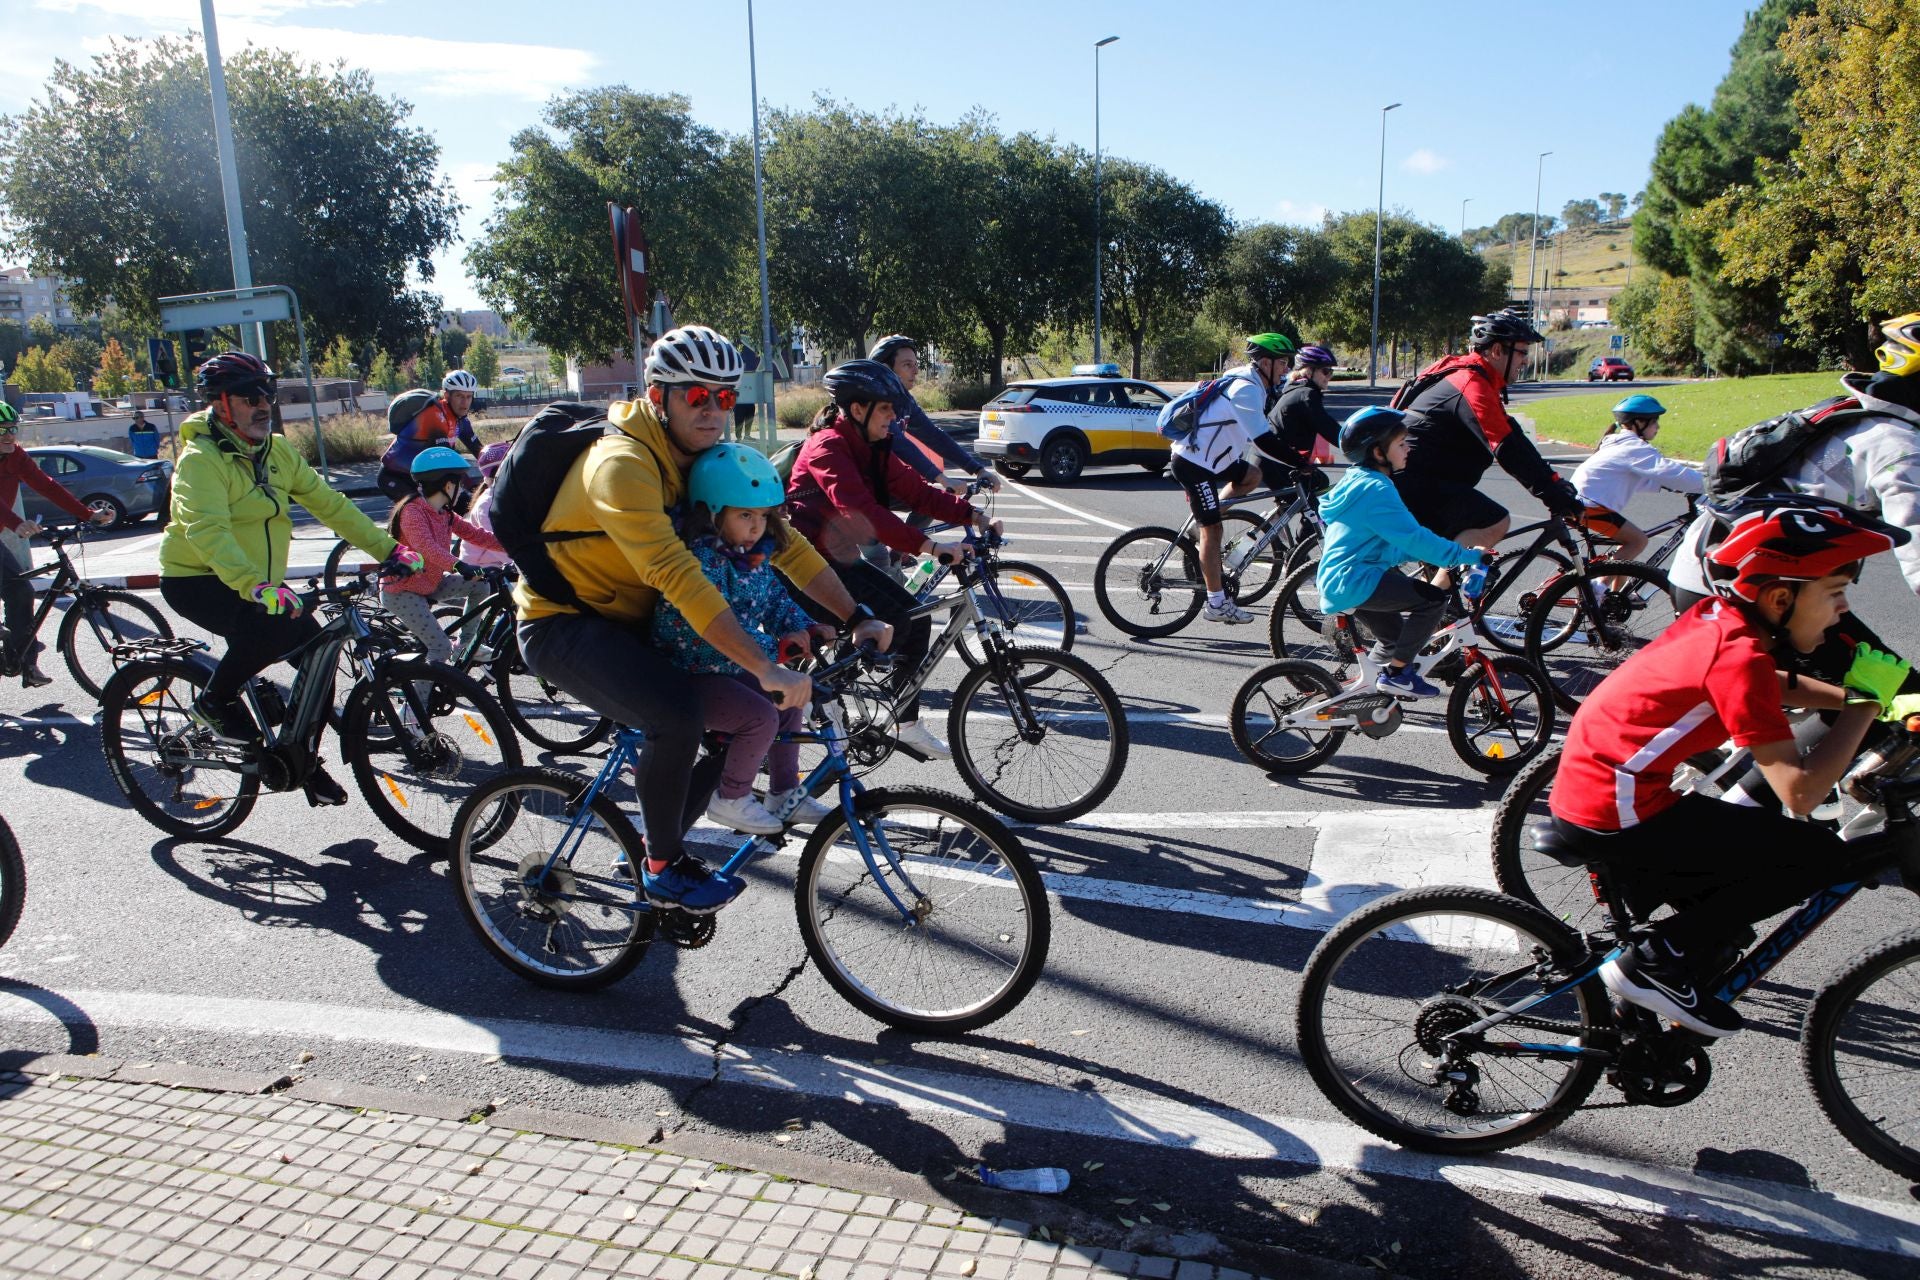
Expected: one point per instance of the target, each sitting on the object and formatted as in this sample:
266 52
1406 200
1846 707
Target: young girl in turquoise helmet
1626 465
734 529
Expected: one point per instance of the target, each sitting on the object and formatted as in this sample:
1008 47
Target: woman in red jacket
844 487
19 651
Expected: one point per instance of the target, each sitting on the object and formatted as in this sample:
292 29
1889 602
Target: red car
1609 369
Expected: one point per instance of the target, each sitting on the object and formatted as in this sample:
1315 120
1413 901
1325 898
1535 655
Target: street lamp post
1533 246
1463 216
252 337
760 213
1098 45
1379 209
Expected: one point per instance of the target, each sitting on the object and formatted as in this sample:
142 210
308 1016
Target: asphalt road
1155 1060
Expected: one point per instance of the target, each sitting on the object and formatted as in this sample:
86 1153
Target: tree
1430 283
338 360
41 333
482 362
432 366
1835 228
1273 277
1615 202
106 181
1580 214
116 373
78 355
545 254
39 371
13 340
1162 242
453 346
384 374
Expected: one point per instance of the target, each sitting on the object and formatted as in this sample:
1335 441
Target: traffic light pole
246 307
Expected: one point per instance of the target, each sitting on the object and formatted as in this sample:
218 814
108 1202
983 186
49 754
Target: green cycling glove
1876 673
1906 704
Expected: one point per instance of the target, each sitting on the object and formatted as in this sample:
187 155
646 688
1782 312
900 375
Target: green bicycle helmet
7 414
1269 344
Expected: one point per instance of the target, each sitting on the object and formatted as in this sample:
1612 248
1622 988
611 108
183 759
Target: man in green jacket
225 548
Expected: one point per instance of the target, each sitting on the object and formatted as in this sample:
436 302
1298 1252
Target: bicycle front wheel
99 620
13 882
1500 715
1239 530
1038 734
1261 707
1033 609
1630 615
1148 582
1860 1049
1516 582
572 922
545 714
926 914
419 740
170 771
1563 892
1388 995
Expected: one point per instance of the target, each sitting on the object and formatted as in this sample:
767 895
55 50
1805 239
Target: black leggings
891 603
17 593
255 638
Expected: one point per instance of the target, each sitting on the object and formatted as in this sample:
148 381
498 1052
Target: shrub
964 395
796 406
351 437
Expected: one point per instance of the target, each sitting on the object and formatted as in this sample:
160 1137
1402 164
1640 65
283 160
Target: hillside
1594 255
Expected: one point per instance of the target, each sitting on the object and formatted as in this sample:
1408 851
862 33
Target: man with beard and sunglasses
223 557
612 532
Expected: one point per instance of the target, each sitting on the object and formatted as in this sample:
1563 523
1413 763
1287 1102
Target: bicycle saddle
1546 839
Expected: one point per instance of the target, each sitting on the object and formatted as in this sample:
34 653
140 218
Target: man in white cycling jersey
1211 461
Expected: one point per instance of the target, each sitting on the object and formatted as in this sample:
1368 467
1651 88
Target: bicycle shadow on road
1392 783
83 1037
62 753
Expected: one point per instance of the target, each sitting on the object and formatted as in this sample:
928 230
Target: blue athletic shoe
1405 683
691 886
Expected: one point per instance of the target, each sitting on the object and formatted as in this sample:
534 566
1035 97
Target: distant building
487 322
1572 305
24 296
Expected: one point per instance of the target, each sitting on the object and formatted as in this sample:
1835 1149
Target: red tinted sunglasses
722 397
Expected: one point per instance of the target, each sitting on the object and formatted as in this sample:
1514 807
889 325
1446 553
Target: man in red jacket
20 650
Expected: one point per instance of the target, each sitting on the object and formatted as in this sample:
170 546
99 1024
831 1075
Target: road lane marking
1128 1115
1090 518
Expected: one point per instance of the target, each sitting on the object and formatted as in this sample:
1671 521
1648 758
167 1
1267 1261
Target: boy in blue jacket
1369 533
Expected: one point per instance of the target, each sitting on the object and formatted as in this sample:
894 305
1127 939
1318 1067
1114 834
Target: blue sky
1276 117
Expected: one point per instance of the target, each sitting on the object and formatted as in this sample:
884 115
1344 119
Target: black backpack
1755 457
407 406
527 482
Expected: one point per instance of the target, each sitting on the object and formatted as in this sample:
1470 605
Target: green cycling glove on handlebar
1876 673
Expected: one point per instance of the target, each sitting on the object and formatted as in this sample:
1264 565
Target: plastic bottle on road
1046 1182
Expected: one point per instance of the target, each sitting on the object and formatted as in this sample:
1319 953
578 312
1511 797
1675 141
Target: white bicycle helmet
693 353
459 380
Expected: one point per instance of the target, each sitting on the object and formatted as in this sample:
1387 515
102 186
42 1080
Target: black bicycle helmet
890 346
1503 326
234 371
864 381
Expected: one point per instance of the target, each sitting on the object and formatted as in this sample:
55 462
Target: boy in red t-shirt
1781 577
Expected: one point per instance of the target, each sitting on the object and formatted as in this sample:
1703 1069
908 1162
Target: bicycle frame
964 611
66 580
1459 637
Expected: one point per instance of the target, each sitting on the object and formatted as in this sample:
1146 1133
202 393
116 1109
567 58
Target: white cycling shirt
1230 423
1625 466
1873 465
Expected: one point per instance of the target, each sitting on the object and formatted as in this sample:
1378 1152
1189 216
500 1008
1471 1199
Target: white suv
1064 425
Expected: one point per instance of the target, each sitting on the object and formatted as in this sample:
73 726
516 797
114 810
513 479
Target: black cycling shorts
1203 487
1446 507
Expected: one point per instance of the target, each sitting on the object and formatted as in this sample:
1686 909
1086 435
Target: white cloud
1425 161
186 13
1305 214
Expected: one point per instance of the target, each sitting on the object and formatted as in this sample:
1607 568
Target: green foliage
482 361
967 395
1580 214
116 373
111 181
795 407
546 255
1656 312
557 366
1430 284
1162 240
1198 348
431 367
13 340
41 333
1834 232
38 370
384 374
78 355
453 346
338 360
1273 277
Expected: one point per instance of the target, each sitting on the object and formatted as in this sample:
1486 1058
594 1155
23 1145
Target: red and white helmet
1793 539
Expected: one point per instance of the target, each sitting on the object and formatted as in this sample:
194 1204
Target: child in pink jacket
425 515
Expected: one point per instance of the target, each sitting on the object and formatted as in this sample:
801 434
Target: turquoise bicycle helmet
433 467
1638 406
734 475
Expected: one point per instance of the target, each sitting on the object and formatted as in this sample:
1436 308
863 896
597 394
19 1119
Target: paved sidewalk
114 1178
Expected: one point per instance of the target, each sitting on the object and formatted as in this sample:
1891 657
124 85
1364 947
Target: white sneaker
798 809
745 815
920 738
1229 612
484 655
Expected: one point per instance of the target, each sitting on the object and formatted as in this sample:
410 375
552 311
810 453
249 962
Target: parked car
1609 369
105 479
1064 425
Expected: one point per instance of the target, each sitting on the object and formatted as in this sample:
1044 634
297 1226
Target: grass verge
364 437
1698 413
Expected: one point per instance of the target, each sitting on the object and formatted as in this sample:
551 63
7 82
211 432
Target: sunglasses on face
255 396
9 429
722 397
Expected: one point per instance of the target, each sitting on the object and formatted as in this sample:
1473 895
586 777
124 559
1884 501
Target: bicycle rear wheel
1496 730
1271 694
169 770
1148 582
1034 610
98 620
1515 581
1389 989
1239 530
574 926
1038 734
544 713
419 741
1563 892
974 936
13 882
1860 1050
1296 627
1631 616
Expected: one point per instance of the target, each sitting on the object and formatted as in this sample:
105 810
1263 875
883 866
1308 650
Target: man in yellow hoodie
621 493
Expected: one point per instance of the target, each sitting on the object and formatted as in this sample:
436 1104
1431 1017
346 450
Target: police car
1064 425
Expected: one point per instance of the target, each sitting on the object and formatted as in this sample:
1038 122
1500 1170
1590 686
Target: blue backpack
1182 413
